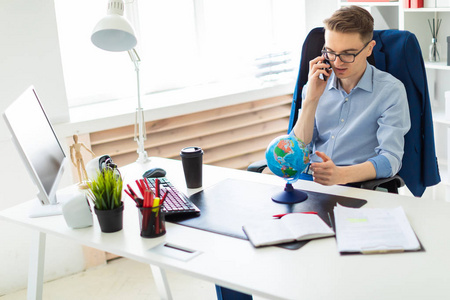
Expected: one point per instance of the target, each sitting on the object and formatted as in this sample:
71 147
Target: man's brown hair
351 19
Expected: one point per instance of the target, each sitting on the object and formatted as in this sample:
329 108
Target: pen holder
152 221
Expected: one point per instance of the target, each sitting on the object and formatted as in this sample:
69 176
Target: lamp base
143 157
290 195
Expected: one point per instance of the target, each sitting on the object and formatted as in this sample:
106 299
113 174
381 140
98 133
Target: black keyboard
176 203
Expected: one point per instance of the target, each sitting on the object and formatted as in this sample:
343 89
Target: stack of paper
373 230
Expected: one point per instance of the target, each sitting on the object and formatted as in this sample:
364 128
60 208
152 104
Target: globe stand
290 195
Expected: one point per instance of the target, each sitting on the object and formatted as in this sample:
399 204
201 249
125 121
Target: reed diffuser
433 54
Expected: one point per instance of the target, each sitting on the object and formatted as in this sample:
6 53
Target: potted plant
105 192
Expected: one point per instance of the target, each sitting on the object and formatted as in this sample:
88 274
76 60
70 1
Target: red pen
129 194
131 191
164 197
146 184
148 199
133 195
141 188
301 212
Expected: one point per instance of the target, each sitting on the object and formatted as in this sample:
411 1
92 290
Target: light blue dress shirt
369 124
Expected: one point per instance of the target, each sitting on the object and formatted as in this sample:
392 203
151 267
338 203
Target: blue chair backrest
398 53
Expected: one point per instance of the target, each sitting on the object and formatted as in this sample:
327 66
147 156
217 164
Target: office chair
398 53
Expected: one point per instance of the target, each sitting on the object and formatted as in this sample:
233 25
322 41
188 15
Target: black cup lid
191 152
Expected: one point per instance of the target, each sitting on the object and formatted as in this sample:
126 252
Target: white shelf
437 65
372 4
444 174
427 9
439 117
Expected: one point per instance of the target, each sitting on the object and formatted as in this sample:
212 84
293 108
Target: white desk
316 271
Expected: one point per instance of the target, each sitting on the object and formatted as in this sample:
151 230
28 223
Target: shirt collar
365 83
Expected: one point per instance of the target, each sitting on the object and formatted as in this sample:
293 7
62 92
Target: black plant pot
110 220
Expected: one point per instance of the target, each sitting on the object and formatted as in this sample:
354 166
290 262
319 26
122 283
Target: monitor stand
39 210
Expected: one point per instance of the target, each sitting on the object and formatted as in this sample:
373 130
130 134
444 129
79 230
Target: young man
355 120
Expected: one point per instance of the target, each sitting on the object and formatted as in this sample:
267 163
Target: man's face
348 43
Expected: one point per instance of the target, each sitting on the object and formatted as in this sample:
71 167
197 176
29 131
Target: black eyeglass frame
325 53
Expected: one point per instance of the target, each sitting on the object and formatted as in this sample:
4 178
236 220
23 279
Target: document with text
374 230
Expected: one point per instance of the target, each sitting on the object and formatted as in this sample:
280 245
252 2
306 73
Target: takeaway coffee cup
192 159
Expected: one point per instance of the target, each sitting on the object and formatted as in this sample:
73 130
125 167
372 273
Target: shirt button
342 120
332 136
346 99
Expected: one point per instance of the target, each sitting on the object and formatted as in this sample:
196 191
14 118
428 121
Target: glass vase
435 50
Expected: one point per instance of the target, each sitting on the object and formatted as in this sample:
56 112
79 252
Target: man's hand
316 86
304 127
326 172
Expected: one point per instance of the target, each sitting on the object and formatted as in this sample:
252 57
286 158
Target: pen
164 197
148 199
132 192
156 203
301 212
143 184
157 187
129 194
147 185
141 188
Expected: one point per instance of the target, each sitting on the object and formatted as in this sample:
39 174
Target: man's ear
370 47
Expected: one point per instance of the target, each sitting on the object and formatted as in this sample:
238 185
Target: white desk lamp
115 33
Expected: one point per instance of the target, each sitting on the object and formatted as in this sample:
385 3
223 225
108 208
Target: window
181 43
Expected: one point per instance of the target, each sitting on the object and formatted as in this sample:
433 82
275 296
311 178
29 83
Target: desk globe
288 157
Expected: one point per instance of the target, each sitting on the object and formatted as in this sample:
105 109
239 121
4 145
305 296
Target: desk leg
159 275
36 266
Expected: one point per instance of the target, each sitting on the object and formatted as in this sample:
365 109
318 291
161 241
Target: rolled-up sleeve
393 123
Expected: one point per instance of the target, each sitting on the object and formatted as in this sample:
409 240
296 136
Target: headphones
106 162
101 163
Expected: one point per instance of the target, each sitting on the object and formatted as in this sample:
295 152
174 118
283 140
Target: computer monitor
38 146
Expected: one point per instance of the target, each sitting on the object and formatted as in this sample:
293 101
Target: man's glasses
344 57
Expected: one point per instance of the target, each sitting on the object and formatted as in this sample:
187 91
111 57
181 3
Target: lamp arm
140 134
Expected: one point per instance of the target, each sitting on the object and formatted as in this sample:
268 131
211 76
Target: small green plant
105 191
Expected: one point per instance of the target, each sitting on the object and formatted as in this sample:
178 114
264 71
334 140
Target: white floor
120 279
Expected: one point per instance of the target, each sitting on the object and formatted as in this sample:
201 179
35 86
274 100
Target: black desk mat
231 203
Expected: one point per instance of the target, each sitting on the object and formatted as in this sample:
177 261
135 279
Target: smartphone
321 76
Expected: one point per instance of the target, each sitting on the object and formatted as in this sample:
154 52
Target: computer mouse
154 172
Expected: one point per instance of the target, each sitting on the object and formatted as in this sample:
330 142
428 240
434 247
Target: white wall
318 10
29 55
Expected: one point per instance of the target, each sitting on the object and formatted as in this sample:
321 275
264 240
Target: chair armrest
257 166
391 184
